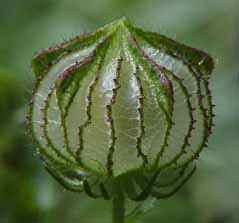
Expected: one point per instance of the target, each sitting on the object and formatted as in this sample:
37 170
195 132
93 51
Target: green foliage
10 87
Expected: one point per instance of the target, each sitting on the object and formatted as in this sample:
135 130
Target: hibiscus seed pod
121 113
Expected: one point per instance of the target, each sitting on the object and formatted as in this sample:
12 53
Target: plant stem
118 205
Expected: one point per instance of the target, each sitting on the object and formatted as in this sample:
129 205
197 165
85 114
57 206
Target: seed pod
121 112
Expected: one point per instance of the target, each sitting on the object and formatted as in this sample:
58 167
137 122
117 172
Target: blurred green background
28 194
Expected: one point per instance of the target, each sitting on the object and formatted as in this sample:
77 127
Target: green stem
118 205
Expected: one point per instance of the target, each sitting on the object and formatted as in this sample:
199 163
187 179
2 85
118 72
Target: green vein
110 120
141 118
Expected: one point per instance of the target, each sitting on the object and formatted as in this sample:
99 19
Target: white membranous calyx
121 113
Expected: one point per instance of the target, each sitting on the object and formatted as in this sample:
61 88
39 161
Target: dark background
28 194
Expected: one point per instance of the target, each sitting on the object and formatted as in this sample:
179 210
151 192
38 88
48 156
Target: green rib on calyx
121 113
